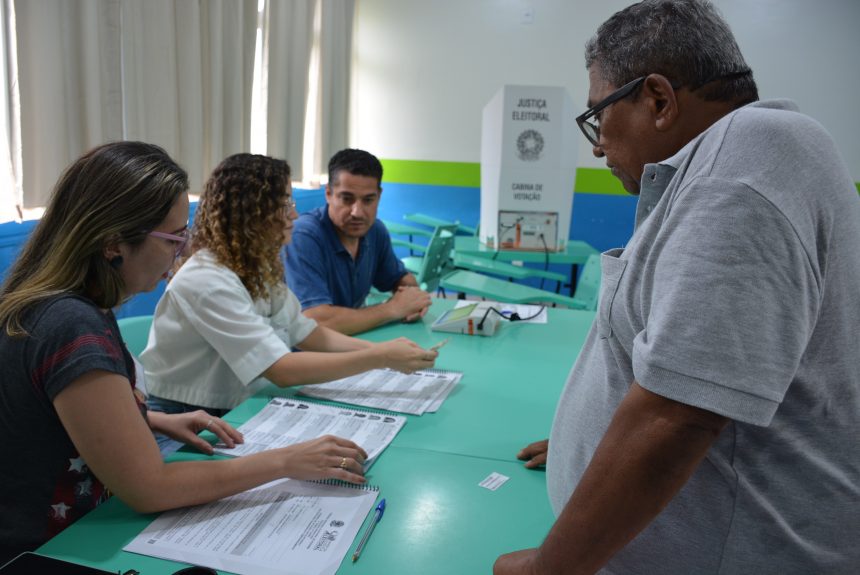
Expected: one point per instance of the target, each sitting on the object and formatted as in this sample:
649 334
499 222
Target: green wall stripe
598 181
468 174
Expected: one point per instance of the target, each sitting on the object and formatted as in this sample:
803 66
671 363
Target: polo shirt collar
656 177
334 239
655 180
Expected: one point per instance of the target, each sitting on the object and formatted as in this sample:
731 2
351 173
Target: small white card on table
494 481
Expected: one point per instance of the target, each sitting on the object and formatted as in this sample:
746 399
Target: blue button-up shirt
321 271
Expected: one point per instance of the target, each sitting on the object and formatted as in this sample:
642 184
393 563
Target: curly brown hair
240 219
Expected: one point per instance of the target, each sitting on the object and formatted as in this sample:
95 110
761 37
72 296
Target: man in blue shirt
340 250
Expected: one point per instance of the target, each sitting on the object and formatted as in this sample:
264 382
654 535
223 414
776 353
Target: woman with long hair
227 321
72 429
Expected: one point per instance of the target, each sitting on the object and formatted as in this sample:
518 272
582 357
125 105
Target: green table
434 222
504 269
575 252
438 520
508 393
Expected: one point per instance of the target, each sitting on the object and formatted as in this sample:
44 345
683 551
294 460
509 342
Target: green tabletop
399 229
575 252
504 269
434 222
438 520
508 393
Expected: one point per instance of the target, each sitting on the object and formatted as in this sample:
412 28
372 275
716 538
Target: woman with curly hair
227 321
73 431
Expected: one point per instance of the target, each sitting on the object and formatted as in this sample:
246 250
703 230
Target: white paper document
414 393
534 313
287 421
287 527
493 481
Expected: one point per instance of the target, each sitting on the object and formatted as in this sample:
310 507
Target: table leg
574 268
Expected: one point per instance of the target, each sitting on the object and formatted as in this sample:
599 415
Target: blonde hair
117 192
240 219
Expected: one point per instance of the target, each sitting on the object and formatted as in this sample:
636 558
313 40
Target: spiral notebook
287 421
414 393
287 527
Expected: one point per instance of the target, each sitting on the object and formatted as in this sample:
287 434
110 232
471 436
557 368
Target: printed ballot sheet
287 421
414 393
287 527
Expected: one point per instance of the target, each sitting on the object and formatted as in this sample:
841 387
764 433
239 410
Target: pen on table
380 509
437 346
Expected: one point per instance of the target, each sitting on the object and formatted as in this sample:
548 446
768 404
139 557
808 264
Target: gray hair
685 40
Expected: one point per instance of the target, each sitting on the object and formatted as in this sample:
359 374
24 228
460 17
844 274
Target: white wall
424 69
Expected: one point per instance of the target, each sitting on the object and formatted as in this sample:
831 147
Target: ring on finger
208 423
342 463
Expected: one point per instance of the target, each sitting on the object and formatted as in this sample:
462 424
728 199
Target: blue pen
380 509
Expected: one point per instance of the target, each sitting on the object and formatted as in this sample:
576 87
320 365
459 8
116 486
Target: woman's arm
326 339
184 427
100 415
309 367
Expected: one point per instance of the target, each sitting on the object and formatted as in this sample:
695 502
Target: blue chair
13 235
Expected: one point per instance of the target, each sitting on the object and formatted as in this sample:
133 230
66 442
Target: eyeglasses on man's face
591 128
179 240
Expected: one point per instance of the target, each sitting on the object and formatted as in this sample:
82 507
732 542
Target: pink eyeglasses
179 241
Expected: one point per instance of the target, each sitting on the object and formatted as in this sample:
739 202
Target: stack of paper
286 527
414 393
284 421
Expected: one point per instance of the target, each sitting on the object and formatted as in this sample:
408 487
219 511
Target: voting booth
528 168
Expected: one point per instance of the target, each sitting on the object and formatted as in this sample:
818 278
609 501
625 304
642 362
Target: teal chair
414 263
434 222
436 271
469 282
397 229
429 268
510 271
135 332
436 261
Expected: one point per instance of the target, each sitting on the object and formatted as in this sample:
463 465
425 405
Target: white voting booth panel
528 168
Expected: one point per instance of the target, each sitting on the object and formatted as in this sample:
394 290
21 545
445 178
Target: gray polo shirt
738 293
